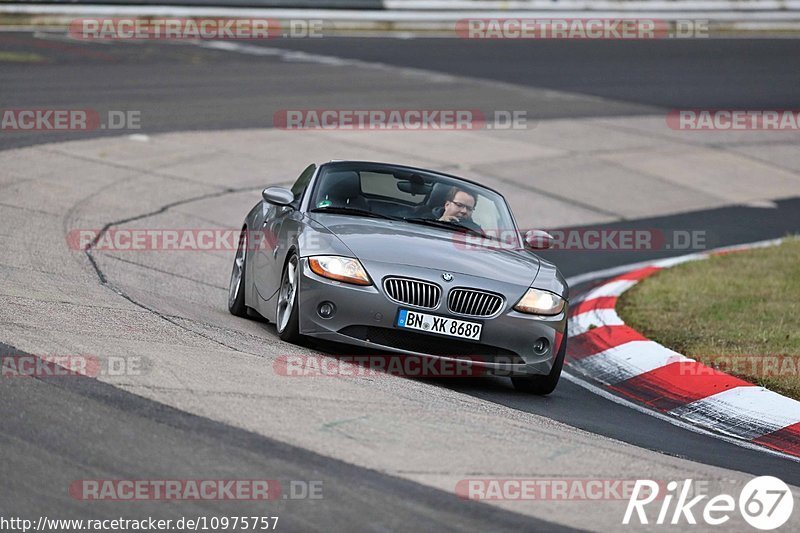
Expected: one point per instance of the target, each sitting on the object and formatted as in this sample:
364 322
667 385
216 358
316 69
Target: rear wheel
288 323
543 385
236 287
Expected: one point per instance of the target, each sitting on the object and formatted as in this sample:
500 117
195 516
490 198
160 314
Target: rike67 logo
765 503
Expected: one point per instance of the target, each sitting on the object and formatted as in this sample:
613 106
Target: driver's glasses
464 206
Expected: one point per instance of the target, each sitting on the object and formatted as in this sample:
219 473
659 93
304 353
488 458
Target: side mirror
538 239
277 196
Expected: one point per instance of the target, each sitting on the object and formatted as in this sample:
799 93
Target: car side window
302 182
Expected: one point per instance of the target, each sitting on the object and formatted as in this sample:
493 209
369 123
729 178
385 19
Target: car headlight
539 302
344 269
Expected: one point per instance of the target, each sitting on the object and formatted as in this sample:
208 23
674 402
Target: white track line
594 318
740 411
626 361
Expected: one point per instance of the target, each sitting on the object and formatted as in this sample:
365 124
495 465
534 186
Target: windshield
410 195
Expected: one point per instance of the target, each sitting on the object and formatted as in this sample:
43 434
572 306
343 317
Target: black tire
236 303
291 331
543 385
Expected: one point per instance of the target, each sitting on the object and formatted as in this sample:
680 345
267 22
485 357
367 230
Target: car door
274 238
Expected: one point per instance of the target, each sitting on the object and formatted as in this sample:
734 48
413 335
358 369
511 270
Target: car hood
398 242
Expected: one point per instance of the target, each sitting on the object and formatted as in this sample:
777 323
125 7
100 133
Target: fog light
541 346
326 309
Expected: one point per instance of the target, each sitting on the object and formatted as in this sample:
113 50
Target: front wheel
236 303
543 385
288 323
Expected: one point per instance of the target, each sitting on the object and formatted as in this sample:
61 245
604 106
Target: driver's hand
451 219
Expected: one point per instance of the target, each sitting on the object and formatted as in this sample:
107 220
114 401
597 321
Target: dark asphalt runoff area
178 87
700 73
56 431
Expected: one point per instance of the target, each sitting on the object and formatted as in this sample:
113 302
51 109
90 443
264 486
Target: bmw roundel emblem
447 276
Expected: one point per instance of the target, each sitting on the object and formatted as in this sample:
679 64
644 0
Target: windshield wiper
445 225
351 211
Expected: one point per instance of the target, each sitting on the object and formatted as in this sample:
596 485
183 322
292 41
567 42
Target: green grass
739 304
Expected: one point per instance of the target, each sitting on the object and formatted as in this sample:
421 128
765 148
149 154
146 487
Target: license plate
441 325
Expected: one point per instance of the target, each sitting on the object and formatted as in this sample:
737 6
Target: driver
458 207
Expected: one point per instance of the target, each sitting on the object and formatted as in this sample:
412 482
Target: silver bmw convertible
404 260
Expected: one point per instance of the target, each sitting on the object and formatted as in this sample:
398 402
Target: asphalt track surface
181 87
108 433
699 73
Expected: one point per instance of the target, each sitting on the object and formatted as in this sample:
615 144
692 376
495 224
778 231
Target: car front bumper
366 317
